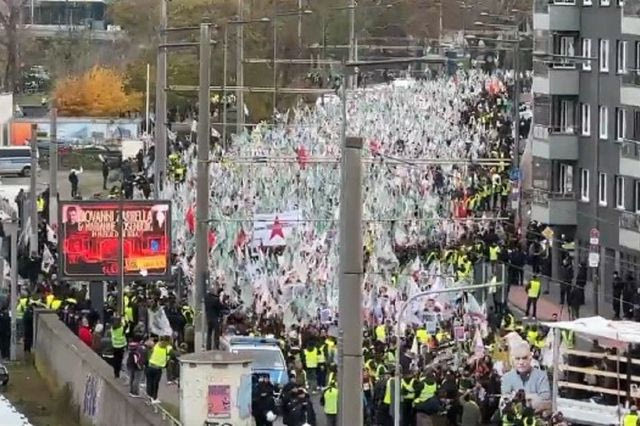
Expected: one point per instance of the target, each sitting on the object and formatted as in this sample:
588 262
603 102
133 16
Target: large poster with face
98 238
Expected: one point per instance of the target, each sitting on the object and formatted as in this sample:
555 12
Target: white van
15 160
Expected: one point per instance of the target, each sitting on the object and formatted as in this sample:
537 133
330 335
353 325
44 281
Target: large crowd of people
437 156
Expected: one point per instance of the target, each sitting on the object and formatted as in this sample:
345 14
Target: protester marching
436 211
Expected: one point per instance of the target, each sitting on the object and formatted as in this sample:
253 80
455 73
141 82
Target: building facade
586 131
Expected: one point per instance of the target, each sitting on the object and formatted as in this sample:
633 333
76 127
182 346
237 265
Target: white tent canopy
598 327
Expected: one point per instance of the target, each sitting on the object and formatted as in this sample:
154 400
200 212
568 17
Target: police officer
533 293
631 418
330 403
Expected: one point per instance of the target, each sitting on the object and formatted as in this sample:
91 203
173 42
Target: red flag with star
303 156
277 230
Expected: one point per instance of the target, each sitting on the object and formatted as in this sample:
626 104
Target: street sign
548 233
594 237
594 260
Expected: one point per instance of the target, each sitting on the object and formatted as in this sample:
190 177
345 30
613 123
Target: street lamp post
11 228
403 308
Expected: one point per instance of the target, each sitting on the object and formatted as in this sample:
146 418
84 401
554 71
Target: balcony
629 231
555 79
556 15
554 208
630 89
630 158
631 17
555 143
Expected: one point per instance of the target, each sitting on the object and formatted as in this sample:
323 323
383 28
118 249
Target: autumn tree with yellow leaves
99 92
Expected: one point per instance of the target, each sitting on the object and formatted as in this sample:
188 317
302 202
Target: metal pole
161 106
224 86
300 24
240 71
596 174
516 121
120 309
351 271
556 369
202 195
352 35
275 63
12 227
33 245
403 308
53 169
146 108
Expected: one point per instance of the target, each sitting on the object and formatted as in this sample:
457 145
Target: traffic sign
548 233
594 237
594 260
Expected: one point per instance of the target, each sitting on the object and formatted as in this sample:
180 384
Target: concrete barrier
97 398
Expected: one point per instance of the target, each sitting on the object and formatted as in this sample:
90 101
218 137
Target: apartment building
586 131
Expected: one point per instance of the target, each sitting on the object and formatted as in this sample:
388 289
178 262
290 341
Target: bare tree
10 11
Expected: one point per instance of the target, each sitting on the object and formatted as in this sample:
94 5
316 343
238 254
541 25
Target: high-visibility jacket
529 421
387 392
321 351
409 393
442 335
532 336
37 303
332 379
159 356
381 370
427 392
630 419
118 339
506 421
494 252
56 304
23 303
423 336
371 367
534 288
569 338
331 400
381 333
509 322
49 300
40 204
128 313
311 358
389 357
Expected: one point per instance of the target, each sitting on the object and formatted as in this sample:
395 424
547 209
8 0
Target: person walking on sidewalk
119 343
136 361
157 362
533 293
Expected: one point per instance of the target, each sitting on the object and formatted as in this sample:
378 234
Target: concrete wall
62 359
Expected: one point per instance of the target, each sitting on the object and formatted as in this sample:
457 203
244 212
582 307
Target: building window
584 184
620 3
604 122
587 2
566 179
602 189
604 55
586 53
620 192
621 124
636 196
585 119
567 114
621 56
605 2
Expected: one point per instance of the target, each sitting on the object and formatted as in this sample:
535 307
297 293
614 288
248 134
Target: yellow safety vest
321 358
159 356
387 393
40 204
534 288
532 336
311 358
410 392
569 338
331 400
381 333
128 313
529 421
630 420
494 251
22 306
118 339
422 336
49 300
55 304
332 379
427 392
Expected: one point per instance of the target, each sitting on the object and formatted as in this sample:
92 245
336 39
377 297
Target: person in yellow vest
408 394
119 344
533 293
569 339
330 403
49 300
429 389
158 359
532 335
381 333
40 204
311 366
321 373
631 418
494 256
23 303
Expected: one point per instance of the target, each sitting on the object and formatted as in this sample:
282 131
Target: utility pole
11 228
351 271
33 245
516 121
300 24
161 105
275 61
224 86
53 169
352 37
202 194
240 71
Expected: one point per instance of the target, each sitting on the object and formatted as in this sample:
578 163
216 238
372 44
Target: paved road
90 182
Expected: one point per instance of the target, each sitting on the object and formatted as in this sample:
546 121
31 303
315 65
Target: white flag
47 259
158 323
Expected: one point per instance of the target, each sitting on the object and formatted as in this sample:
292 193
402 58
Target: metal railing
542 6
630 221
543 197
631 78
541 68
541 131
630 149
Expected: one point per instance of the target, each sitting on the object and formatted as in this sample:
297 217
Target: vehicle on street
268 359
15 160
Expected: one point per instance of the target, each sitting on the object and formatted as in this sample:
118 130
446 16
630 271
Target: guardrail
543 197
540 131
631 78
630 149
630 221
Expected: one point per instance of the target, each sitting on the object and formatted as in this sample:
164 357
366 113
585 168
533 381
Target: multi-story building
586 131
51 18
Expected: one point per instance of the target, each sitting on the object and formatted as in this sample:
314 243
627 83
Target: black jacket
213 307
